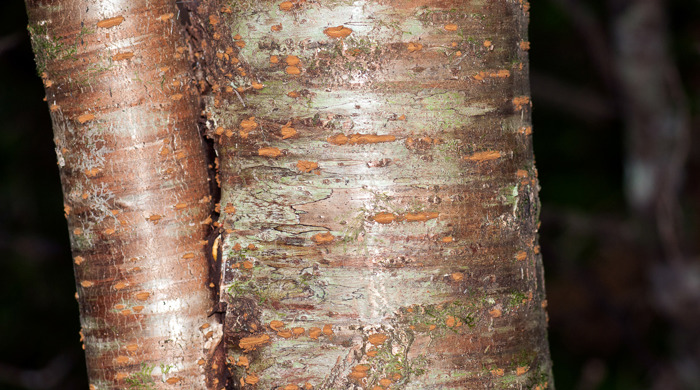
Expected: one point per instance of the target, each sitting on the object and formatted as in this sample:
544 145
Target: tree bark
379 196
134 177
378 192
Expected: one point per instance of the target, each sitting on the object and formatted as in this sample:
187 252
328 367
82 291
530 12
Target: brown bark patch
154 218
414 47
243 361
337 32
276 325
328 329
323 238
527 130
384 218
253 342
306 166
377 338
314 333
123 56
85 118
520 101
142 296
269 152
360 139
286 6
111 22
359 371
165 17
500 74
484 156
122 359
252 379
248 125
288 132
420 217
292 60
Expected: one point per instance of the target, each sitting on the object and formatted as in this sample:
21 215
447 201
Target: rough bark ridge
379 198
135 187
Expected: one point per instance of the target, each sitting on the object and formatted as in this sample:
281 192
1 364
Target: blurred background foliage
615 85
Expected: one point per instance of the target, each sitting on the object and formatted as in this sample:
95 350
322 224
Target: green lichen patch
390 362
143 379
49 48
438 319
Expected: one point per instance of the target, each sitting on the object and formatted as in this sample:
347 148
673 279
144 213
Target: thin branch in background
656 119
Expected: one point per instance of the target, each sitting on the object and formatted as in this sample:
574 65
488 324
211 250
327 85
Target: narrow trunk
379 197
135 187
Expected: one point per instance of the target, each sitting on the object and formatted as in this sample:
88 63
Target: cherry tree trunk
378 193
134 178
377 213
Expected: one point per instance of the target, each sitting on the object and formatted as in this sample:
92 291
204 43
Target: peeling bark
379 193
135 186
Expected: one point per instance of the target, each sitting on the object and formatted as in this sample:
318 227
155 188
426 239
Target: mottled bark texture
379 198
135 186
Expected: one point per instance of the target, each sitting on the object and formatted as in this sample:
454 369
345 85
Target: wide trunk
378 193
135 187
379 199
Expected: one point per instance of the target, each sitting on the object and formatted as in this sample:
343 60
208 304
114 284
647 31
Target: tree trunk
379 197
135 187
378 192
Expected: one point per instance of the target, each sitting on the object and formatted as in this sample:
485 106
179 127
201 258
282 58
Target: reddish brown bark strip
135 187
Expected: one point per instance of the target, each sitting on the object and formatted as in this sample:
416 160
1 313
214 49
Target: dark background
623 289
